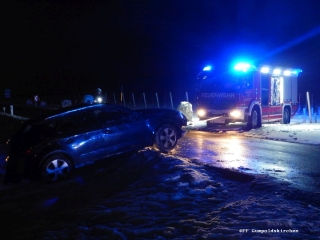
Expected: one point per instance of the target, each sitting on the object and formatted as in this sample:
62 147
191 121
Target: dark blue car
50 147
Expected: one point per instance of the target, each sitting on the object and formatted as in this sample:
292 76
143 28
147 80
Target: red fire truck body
248 95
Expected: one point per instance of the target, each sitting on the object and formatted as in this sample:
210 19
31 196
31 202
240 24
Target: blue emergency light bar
244 67
280 71
207 68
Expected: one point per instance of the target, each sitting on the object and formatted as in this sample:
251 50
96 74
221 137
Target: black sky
81 45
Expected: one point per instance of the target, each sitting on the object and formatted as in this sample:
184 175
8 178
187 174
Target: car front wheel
56 168
166 138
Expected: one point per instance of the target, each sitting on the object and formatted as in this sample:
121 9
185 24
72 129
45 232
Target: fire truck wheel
255 119
286 116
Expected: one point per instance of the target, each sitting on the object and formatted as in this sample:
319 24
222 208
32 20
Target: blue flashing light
287 73
276 71
243 66
265 70
207 68
279 71
296 71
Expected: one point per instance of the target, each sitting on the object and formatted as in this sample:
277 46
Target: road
297 164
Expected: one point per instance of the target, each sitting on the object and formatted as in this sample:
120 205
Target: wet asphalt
296 164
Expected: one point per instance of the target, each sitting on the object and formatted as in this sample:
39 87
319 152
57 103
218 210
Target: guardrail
131 100
31 109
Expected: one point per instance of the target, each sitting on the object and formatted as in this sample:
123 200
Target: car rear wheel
166 138
55 168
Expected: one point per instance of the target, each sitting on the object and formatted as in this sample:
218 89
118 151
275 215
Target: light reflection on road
294 163
233 154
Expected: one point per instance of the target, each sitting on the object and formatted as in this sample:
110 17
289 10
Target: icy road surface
297 164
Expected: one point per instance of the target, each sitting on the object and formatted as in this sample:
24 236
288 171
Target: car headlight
235 113
201 113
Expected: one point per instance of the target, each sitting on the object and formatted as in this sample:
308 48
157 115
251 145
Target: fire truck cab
247 94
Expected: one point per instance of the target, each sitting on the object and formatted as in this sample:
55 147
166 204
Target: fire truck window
247 82
275 91
265 90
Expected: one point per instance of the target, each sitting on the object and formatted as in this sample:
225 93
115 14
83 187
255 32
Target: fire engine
247 94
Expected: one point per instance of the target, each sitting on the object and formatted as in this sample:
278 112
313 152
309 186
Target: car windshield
225 82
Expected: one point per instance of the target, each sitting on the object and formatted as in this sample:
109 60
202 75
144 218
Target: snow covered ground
151 195
300 130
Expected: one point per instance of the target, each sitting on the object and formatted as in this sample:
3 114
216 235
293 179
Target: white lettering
259 231
218 95
272 230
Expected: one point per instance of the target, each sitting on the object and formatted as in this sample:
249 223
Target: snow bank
158 196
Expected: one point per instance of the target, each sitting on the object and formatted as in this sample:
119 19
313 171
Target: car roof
82 106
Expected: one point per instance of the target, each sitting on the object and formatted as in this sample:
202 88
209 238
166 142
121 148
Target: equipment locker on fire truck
247 94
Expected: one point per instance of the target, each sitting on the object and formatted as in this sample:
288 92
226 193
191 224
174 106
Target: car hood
157 112
153 111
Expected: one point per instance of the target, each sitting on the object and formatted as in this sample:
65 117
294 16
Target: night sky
77 46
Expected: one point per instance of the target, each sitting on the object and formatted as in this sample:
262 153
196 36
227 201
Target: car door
79 134
122 130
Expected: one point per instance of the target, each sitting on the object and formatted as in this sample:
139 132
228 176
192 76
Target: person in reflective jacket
99 97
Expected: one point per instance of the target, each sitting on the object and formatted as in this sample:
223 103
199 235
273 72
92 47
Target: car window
110 115
49 128
76 122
